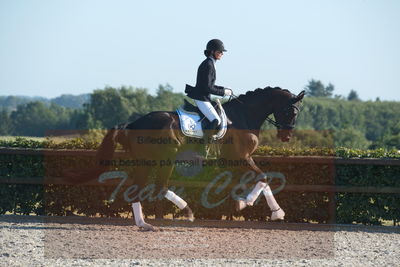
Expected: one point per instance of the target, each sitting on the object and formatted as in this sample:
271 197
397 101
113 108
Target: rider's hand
228 92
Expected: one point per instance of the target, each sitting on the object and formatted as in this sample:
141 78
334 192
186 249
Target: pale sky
54 47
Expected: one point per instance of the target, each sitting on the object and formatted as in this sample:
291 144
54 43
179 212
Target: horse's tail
107 147
102 160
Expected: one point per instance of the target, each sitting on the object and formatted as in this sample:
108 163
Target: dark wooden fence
323 160
331 187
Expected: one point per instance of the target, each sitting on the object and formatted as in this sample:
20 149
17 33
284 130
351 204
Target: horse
246 113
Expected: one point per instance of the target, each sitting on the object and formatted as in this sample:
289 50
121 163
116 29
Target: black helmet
215 45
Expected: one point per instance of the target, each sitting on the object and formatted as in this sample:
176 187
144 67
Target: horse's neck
255 113
248 116
258 112
257 116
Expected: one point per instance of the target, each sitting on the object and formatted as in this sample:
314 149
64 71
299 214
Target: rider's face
218 55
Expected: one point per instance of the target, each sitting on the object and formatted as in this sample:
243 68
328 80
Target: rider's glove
228 92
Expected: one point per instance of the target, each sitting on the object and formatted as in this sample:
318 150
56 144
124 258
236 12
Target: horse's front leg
247 146
261 186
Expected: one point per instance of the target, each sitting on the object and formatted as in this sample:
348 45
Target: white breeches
208 110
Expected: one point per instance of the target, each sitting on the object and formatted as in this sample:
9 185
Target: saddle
190 108
192 121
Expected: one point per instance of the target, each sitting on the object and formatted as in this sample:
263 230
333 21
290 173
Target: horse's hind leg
139 220
140 175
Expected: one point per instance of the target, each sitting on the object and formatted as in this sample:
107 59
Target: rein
235 97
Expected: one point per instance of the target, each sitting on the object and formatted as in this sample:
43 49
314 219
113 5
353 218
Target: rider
205 84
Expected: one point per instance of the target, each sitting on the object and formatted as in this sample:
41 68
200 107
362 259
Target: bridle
284 126
273 122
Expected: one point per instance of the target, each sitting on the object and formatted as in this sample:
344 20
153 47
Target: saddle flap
191 120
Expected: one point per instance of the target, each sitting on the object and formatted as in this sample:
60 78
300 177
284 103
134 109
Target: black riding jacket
205 83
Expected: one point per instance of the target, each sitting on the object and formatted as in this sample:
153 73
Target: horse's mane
259 92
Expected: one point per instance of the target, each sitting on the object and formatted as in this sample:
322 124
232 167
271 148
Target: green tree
36 118
317 89
351 138
6 127
329 90
110 106
166 99
33 119
140 101
356 124
71 101
391 138
373 119
82 119
391 141
353 96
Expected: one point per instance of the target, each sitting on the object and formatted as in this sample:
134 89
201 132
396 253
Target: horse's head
257 105
286 115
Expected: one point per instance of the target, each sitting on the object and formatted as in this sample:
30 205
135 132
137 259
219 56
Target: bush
300 206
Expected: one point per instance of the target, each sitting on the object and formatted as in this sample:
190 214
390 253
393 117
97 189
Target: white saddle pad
191 124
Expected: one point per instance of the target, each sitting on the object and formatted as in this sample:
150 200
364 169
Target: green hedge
92 200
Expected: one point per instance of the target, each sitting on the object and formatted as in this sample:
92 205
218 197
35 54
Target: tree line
11 102
325 119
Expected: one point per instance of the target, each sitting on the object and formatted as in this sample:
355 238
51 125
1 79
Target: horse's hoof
190 218
147 227
190 215
278 215
240 204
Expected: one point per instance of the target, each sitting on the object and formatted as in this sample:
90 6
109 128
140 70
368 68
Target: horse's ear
300 96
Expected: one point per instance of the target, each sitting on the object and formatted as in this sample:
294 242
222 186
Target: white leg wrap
255 193
137 213
174 198
273 205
